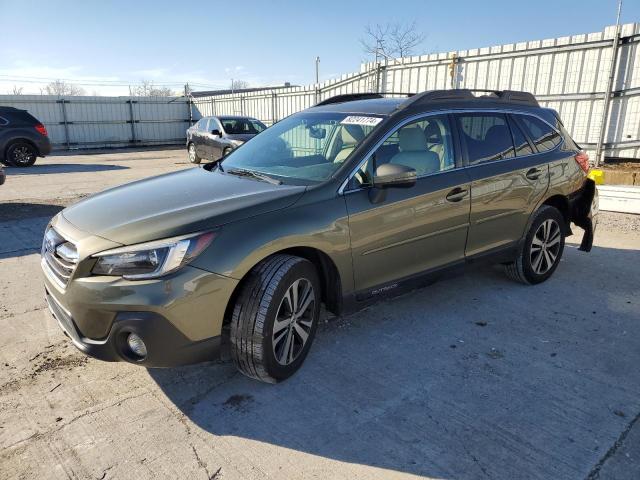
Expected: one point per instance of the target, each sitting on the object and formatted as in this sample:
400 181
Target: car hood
175 204
243 137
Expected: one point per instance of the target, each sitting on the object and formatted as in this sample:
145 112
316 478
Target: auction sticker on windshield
361 120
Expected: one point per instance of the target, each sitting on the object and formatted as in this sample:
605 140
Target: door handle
457 194
533 173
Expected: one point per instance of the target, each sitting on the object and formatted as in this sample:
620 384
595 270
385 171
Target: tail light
42 129
582 159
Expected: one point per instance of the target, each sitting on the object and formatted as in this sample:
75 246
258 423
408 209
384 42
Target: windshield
242 126
308 146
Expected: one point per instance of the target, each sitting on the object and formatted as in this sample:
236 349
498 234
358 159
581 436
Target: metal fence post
132 121
65 121
604 125
274 114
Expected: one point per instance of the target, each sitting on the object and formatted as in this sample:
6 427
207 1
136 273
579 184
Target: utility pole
607 95
317 70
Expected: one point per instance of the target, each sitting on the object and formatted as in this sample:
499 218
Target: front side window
305 148
425 145
486 136
544 137
242 126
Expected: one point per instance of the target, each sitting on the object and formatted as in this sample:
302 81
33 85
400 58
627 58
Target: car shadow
472 377
43 169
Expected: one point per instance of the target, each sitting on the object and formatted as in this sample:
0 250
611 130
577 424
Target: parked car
212 138
23 138
353 200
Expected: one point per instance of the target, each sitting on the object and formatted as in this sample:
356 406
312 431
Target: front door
507 181
415 229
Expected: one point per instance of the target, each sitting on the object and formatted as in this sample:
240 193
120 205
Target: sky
107 45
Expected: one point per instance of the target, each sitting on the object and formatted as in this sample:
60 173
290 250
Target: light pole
317 70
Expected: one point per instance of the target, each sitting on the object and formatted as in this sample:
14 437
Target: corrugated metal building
569 74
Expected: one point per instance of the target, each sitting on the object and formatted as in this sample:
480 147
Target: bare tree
148 89
239 84
16 90
391 39
60 88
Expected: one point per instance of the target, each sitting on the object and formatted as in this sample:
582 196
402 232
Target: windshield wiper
252 174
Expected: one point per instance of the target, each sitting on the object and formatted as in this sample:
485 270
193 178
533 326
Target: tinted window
544 137
486 136
520 141
424 145
240 126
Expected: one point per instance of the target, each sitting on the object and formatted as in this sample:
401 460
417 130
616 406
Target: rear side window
544 137
486 136
202 124
520 141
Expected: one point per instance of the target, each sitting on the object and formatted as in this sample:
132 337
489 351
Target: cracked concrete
473 377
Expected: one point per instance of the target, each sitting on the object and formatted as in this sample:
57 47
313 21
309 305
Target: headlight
152 259
236 143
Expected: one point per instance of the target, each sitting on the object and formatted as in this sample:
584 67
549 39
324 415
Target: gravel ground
472 377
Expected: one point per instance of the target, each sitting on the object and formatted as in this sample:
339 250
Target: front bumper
166 345
178 317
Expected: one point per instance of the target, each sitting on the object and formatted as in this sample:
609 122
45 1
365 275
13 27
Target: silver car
214 137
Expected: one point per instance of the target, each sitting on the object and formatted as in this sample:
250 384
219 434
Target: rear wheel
275 318
542 249
21 154
193 156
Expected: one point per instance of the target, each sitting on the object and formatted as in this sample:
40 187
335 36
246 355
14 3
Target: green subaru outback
355 199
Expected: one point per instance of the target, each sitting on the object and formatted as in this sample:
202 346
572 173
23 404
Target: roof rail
508 96
351 97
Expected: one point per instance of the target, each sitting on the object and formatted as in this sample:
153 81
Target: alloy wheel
545 246
22 155
192 153
293 322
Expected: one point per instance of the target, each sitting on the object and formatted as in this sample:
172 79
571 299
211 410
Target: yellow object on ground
597 176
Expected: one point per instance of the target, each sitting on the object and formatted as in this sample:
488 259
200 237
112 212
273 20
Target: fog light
136 345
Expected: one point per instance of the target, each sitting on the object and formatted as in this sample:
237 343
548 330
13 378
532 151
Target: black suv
23 138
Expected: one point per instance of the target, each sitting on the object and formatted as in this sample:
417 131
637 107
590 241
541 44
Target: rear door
416 229
199 137
508 179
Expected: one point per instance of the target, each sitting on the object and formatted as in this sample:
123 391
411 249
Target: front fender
321 225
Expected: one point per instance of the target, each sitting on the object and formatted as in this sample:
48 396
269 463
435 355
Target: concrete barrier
619 198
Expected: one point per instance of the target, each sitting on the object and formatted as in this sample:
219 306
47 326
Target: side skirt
360 299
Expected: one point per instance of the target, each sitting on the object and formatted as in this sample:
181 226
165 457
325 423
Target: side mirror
394 176
216 133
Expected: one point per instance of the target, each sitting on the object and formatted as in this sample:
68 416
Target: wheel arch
561 203
15 140
327 272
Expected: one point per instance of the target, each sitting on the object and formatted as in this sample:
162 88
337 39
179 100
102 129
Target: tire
21 154
541 251
257 351
192 155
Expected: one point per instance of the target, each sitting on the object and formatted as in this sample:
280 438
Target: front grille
62 316
59 256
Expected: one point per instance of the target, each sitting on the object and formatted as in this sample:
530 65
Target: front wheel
541 250
275 318
21 154
193 156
